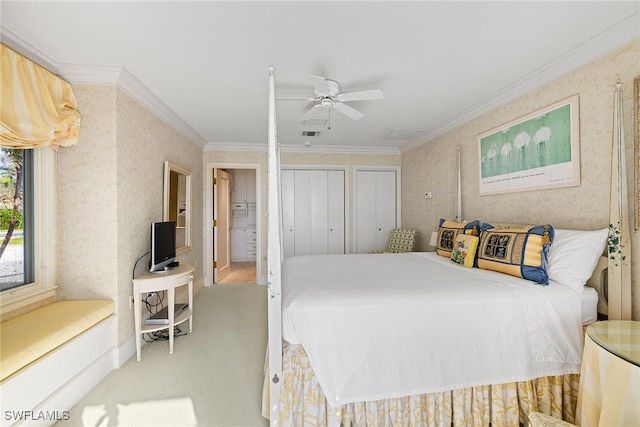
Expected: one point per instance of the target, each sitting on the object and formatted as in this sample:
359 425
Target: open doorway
233 246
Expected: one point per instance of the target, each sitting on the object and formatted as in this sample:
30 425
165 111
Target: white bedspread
392 325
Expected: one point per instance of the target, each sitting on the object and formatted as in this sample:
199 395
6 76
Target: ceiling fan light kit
328 96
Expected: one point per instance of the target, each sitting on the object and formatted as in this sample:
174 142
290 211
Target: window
27 229
16 218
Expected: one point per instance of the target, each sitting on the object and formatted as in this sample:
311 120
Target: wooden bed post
274 262
619 243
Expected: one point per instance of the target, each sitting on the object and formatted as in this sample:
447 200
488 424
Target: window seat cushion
26 338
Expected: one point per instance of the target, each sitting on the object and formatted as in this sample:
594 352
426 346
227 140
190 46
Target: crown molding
234 146
129 83
103 74
121 77
346 149
616 36
28 50
91 74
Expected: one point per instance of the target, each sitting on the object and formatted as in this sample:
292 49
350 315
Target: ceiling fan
328 96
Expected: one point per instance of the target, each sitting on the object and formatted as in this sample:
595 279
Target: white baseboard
125 351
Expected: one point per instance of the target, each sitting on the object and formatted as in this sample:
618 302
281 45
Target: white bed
388 328
589 305
393 325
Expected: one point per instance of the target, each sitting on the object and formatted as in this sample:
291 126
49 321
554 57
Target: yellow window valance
37 107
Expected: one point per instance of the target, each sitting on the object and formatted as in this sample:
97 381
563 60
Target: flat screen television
163 245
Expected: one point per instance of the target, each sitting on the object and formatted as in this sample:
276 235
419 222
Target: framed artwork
538 151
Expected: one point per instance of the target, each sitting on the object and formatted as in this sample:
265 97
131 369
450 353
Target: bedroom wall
111 187
300 158
87 246
432 166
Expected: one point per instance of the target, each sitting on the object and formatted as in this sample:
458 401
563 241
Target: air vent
310 133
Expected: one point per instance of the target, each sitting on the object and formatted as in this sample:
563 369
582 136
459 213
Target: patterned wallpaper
585 207
87 179
111 187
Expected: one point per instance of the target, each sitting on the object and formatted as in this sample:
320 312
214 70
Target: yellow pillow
464 250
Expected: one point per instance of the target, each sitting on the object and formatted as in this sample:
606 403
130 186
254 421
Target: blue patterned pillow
516 249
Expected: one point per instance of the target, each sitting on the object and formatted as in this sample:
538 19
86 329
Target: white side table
164 281
609 392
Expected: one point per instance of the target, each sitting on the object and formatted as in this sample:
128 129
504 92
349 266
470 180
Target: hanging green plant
614 245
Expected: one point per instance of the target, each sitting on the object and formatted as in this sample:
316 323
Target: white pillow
573 256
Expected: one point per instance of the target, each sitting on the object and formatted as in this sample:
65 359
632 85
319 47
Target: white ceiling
438 64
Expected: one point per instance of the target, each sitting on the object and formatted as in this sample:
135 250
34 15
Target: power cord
154 307
133 273
163 335
154 303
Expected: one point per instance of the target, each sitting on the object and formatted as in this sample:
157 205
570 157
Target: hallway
241 272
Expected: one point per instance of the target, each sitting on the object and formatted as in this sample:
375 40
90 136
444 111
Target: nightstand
609 393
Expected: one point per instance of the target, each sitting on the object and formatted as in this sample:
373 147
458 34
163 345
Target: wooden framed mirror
177 203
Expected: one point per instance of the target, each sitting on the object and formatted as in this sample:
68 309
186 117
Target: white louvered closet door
376 209
313 212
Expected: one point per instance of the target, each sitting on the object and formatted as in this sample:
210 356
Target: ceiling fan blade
320 85
295 98
365 95
312 112
348 111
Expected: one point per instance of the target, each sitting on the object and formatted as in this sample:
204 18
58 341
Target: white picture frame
538 151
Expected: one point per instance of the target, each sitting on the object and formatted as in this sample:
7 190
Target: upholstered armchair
400 240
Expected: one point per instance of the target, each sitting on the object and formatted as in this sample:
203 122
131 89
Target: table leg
190 292
137 320
172 300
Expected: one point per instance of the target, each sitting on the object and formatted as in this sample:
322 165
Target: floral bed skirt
302 402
